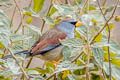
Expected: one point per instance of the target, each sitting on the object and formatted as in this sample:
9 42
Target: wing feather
51 37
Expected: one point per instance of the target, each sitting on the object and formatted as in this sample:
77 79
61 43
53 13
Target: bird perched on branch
48 47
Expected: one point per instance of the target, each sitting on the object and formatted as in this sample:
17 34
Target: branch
104 2
98 32
21 68
109 56
115 7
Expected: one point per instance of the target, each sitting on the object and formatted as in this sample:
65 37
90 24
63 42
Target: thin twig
29 62
51 76
110 74
30 3
21 20
104 2
13 16
88 49
21 68
75 59
43 24
104 76
88 56
47 14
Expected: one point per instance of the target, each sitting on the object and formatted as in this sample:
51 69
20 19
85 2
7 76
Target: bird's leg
55 63
43 66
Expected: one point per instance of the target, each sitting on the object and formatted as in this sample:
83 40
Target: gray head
68 27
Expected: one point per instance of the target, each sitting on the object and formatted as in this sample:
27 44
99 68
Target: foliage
86 54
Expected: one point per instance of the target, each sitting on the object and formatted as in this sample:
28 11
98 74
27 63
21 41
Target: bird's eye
73 23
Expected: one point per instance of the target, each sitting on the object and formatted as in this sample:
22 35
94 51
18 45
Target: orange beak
78 24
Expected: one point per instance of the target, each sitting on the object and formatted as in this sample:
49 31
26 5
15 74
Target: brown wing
51 37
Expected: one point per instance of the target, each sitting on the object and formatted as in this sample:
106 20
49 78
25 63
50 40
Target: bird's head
68 26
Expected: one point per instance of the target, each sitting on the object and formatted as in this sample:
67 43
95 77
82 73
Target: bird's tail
18 53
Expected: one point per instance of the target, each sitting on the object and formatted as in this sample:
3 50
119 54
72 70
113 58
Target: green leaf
115 70
117 18
79 1
67 65
5 40
30 12
98 38
34 28
116 62
66 53
4 30
75 42
40 70
17 37
3 77
49 20
92 7
10 64
32 72
2 2
114 47
114 59
52 11
64 9
4 20
98 55
71 77
109 9
81 30
111 25
29 20
38 4
50 66
70 52
37 78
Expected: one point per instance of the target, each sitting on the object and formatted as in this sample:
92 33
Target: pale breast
53 55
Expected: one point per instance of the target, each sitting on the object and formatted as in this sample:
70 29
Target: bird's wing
48 40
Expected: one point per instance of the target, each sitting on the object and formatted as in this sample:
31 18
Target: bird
48 47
